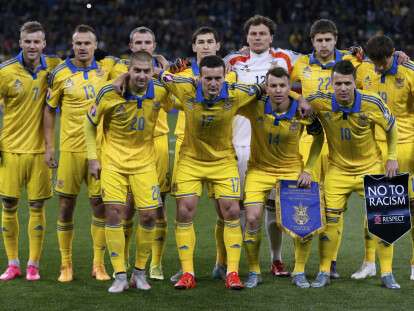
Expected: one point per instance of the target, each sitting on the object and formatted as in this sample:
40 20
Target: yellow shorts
223 175
321 165
259 183
24 169
405 157
339 186
144 187
72 170
162 162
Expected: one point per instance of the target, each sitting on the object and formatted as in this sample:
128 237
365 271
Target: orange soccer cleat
186 281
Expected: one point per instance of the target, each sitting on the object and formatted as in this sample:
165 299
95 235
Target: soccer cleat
322 279
389 282
219 272
156 273
99 273
32 273
253 279
119 284
300 280
412 273
66 273
334 274
278 269
367 269
186 281
176 277
11 273
233 281
139 280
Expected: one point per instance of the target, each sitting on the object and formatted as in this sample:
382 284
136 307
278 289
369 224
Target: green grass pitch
85 293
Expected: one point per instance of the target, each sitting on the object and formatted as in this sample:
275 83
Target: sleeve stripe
8 62
105 89
408 65
182 79
376 101
90 120
54 72
318 95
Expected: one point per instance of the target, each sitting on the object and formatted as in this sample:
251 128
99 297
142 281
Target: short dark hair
379 47
278 72
142 56
85 28
344 67
258 20
212 61
32 26
141 29
202 31
323 26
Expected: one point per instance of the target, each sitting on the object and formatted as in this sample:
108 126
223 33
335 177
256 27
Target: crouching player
276 132
128 162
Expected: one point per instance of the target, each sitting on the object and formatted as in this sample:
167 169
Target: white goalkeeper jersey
251 69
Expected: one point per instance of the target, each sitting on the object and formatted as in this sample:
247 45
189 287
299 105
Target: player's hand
94 168
304 109
157 71
50 158
391 168
120 83
180 64
401 57
162 61
358 52
304 180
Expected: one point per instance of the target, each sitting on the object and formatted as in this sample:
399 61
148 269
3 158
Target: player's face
84 45
277 88
205 45
324 44
32 45
383 65
344 87
259 38
140 73
142 42
212 81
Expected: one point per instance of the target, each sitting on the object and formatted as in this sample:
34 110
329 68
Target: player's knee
147 218
38 205
67 206
96 202
9 203
113 214
230 209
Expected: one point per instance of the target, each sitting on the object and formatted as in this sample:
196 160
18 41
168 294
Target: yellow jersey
74 89
128 127
208 130
396 88
23 94
350 130
275 139
161 127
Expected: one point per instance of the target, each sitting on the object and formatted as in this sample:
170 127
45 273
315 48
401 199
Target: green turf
84 293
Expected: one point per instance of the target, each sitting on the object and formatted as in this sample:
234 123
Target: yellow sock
186 239
158 245
10 229
65 238
302 251
385 255
221 256
145 239
128 225
36 230
370 244
341 229
115 242
252 239
328 241
98 239
233 239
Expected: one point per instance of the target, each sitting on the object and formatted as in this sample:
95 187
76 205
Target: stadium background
173 23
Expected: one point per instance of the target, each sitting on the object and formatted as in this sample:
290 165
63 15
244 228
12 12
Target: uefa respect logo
390 219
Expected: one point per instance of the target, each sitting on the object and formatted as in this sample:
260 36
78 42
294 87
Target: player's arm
304 109
391 166
177 86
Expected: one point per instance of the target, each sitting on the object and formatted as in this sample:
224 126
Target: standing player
207 154
23 86
73 86
143 39
128 162
348 117
252 68
395 84
276 132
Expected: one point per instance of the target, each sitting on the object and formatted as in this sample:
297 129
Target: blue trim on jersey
314 61
85 70
224 94
149 94
42 65
392 71
155 62
288 115
194 67
356 106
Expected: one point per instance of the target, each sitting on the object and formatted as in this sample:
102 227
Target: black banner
388 206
